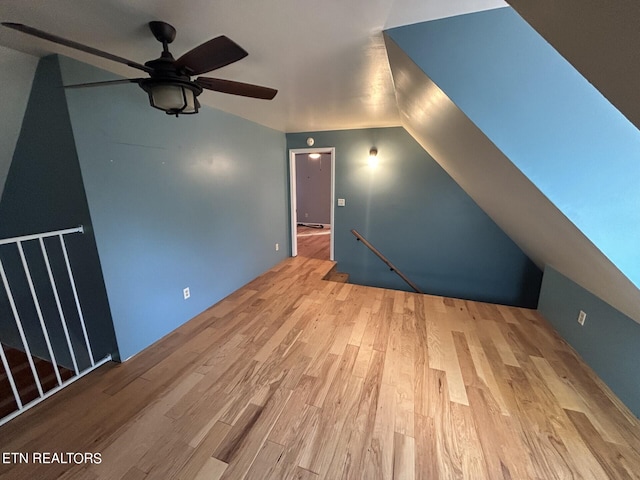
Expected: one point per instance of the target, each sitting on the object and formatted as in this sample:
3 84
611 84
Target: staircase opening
24 380
44 341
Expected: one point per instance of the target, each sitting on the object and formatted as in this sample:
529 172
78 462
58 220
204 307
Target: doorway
312 180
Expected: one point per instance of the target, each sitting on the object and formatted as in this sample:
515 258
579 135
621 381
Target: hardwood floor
295 377
313 243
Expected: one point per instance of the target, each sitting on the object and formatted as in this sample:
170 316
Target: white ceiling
327 59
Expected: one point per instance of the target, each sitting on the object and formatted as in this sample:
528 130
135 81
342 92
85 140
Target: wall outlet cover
582 317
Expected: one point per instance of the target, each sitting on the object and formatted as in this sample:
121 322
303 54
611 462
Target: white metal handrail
36 236
26 348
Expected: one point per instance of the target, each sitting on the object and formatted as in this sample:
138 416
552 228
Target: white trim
36 303
12 383
54 287
72 282
292 195
23 338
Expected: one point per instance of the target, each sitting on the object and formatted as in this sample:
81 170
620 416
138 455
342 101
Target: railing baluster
16 317
7 368
75 296
39 312
17 241
59 305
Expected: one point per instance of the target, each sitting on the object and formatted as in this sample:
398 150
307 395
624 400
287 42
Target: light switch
341 202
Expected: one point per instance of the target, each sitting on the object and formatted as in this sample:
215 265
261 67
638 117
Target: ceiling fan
169 84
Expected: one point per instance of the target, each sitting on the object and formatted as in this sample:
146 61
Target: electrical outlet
186 293
277 247
582 317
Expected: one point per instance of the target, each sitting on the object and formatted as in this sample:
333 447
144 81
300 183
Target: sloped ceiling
577 148
500 189
600 39
327 59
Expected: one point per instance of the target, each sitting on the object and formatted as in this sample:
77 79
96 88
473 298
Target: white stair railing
44 320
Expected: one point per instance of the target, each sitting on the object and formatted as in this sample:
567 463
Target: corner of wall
421 219
608 341
44 192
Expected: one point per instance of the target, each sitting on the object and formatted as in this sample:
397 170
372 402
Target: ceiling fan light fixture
169 85
173 97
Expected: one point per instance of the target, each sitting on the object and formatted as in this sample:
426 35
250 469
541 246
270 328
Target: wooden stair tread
335 276
24 381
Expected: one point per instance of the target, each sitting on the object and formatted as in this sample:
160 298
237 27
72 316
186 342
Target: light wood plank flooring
293 377
313 242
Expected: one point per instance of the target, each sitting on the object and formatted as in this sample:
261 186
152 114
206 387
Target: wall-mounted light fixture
373 157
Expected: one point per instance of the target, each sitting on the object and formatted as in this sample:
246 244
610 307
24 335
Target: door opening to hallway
312 180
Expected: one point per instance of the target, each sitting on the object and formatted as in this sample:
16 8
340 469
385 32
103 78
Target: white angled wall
517 206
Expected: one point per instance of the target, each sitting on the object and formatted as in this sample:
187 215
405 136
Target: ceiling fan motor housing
169 87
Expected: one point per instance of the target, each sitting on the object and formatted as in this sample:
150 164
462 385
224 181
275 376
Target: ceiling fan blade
211 55
236 88
78 46
105 83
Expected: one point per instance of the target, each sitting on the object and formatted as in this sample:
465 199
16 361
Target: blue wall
17 70
555 127
417 216
608 341
197 201
44 192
